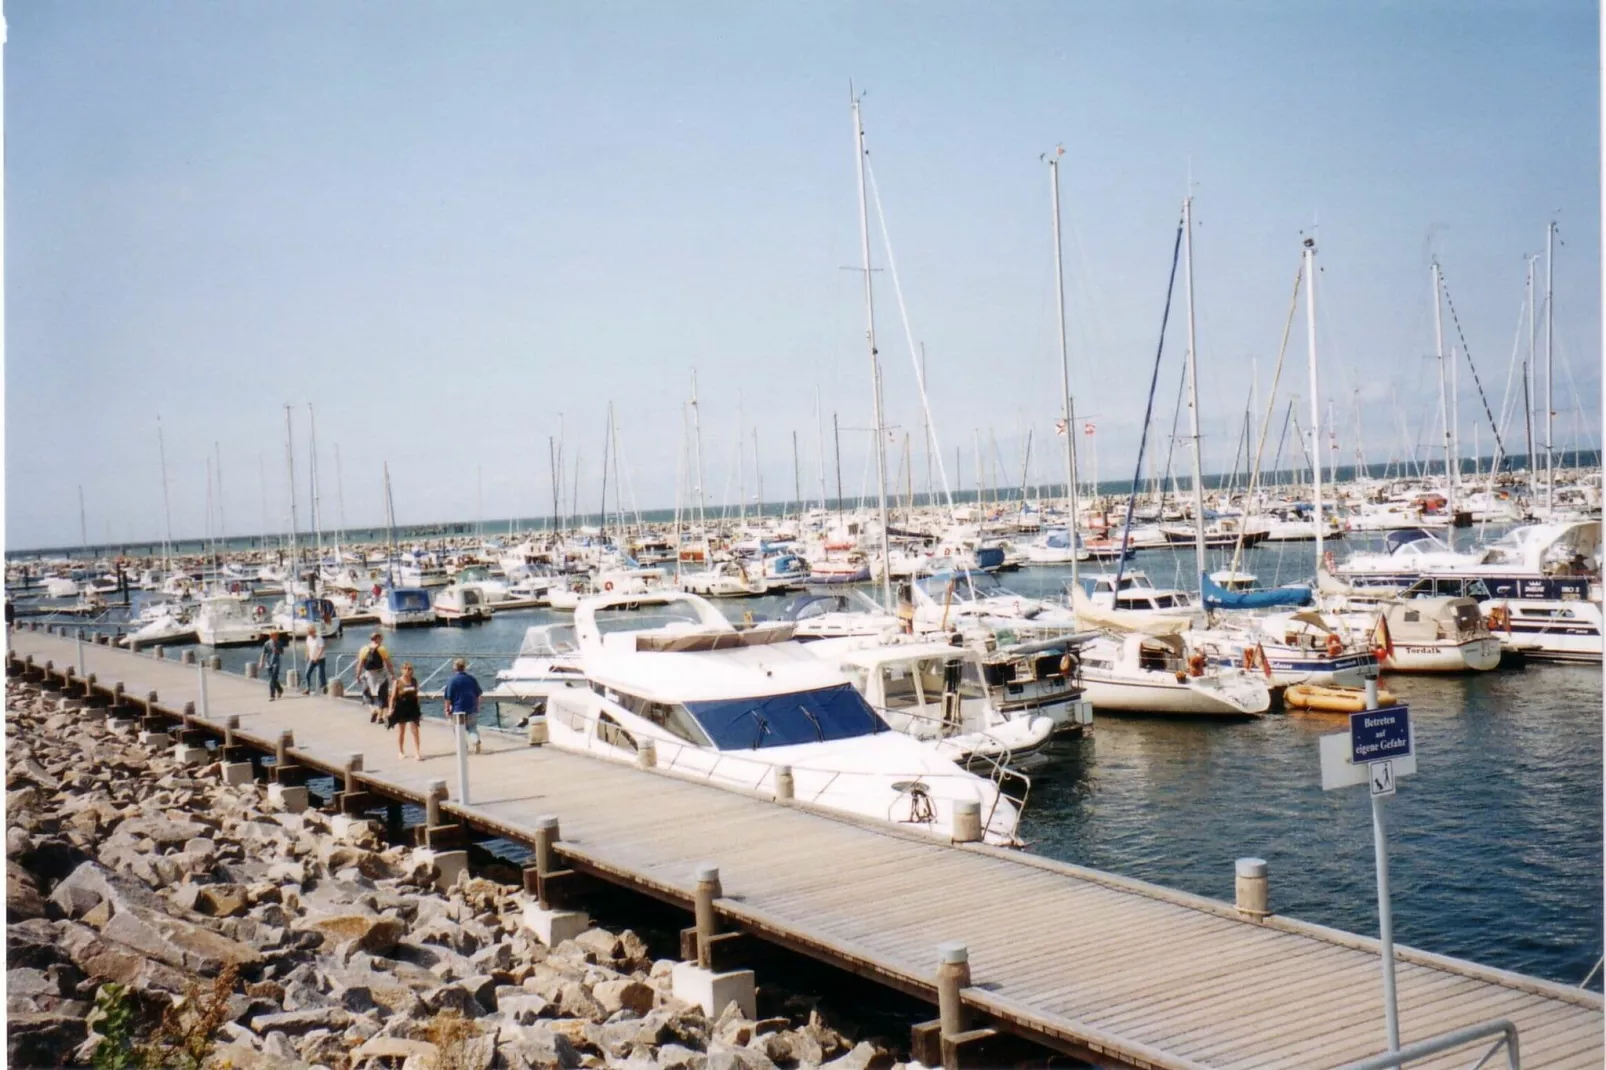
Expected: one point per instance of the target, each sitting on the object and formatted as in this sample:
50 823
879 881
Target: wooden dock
1112 970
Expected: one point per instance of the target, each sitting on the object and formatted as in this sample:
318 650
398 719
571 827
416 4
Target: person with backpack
375 672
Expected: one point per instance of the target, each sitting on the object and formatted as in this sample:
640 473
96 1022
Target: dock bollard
79 647
434 792
546 837
228 730
953 977
281 752
250 670
1252 890
967 821
160 652
215 663
646 754
337 688
201 702
708 890
353 767
188 657
784 786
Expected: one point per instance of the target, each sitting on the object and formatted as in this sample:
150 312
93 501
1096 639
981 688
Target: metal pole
1065 377
80 650
459 720
202 704
1385 910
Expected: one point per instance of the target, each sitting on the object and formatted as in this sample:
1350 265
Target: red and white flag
1059 427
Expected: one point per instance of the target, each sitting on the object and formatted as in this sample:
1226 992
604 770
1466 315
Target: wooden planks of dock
1117 971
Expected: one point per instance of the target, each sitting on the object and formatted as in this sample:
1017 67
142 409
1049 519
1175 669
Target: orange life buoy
1335 645
259 612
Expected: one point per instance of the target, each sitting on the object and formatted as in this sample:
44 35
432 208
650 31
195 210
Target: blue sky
444 225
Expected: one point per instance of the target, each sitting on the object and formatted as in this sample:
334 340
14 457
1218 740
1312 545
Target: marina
1100 966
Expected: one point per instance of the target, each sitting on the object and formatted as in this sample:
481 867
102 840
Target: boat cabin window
549 642
828 713
1412 616
671 717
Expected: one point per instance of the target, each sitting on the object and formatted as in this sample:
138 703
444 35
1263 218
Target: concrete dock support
1253 893
785 788
696 982
646 754
550 925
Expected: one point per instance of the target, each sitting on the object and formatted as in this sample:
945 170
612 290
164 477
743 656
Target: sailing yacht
733 708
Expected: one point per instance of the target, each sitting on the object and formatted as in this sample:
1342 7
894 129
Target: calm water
1495 845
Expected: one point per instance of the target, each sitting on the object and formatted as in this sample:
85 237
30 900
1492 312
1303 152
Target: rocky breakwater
156 917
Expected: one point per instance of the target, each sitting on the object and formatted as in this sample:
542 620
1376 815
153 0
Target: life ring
1335 645
259 612
608 585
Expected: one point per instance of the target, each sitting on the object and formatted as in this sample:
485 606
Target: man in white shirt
315 662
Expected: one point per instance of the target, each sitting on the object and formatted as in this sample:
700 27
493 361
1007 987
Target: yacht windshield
549 641
829 713
967 586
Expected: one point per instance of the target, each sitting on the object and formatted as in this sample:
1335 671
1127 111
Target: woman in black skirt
404 711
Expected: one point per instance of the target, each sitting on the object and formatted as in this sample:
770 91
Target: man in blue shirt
462 696
269 663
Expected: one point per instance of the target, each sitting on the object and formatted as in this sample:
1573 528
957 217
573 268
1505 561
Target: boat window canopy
826 714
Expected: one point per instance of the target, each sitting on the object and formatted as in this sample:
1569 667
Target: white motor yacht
725 579
1547 629
320 613
1431 634
405 607
733 708
849 613
548 662
227 622
461 603
971 600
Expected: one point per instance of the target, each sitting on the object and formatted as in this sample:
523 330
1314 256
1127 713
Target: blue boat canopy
1218 597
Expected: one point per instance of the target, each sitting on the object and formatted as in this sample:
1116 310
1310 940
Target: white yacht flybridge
733 707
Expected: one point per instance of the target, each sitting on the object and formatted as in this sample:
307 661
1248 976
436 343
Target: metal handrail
1504 1028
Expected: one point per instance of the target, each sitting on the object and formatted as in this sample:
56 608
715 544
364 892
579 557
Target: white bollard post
203 707
462 757
80 645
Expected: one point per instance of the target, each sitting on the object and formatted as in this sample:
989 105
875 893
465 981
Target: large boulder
374 934
178 943
42 1039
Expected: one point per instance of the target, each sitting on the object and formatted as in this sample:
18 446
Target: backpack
373 660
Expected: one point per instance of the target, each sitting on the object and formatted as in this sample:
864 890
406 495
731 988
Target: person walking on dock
315 661
269 663
404 711
375 672
462 697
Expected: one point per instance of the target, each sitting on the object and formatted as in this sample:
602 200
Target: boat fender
1196 663
1335 645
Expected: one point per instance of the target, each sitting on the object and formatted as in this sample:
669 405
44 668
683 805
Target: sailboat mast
1550 407
1069 408
83 525
697 439
797 477
340 501
607 444
167 514
222 525
1315 400
875 363
1527 391
758 477
1193 398
819 441
290 467
390 527
1444 401
312 474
